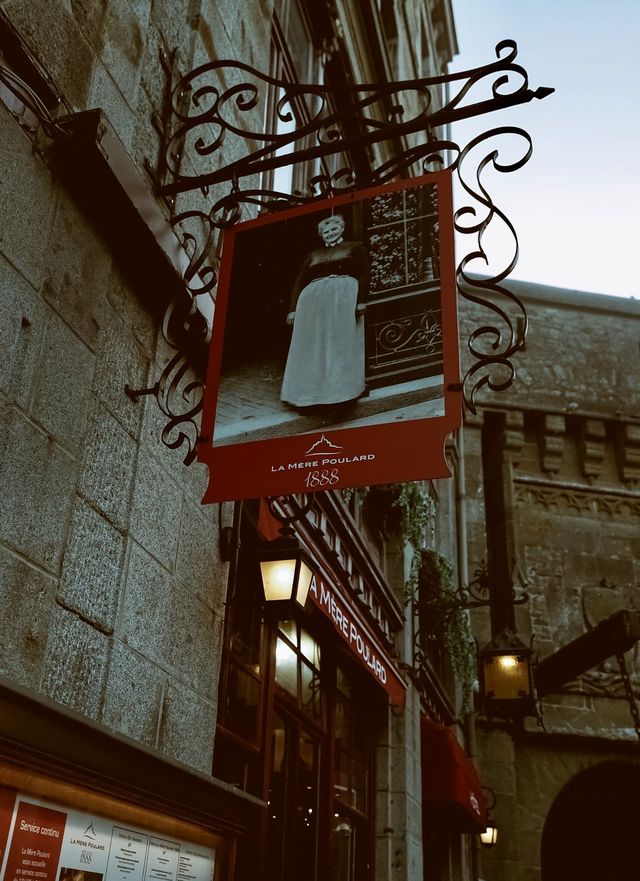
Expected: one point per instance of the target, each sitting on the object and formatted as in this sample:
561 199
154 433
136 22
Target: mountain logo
90 832
323 445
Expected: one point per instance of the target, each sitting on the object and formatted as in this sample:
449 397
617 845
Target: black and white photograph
333 319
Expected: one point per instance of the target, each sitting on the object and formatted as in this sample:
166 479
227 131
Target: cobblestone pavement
249 406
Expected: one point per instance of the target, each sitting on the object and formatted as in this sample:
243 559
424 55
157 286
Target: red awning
451 790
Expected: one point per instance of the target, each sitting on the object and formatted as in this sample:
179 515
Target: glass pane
343 848
352 750
311 692
299 43
306 807
350 784
290 631
286 668
285 123
310 648
246 630
278 578
344 683
386 247
276 800
243 700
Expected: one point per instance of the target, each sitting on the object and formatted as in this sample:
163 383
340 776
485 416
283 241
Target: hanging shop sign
43 841
334 360
357 637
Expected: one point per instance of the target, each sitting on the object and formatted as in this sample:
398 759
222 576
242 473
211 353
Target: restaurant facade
158 720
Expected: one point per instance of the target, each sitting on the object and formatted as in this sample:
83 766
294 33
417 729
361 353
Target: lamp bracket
288 509
477 593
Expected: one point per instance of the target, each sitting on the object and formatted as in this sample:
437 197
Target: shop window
350 845
243 686
442 854
294 58
241 692
297 669
293 802
351 753
387 12
295 728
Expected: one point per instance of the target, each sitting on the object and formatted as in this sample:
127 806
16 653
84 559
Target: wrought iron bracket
226 99
477 593
180 400
288 510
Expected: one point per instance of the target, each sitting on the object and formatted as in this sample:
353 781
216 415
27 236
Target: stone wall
111 586
580 353
571 436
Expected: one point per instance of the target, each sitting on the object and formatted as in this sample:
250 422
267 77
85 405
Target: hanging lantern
490 835
506 678
286 571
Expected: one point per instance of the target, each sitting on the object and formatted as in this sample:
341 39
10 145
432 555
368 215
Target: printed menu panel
41 841
163 860
34 849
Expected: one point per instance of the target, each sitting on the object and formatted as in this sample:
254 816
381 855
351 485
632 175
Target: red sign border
245 470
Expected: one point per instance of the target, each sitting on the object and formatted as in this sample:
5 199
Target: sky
576 204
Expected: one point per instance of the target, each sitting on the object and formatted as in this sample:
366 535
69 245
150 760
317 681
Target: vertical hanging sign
334 360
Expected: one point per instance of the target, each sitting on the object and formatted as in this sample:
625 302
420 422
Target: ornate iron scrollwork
477 593
179 396
491 346
421 332
228 100
221 107
289 509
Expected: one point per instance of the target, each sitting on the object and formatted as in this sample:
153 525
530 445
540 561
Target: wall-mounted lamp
490 835
285 566
506 677
286 571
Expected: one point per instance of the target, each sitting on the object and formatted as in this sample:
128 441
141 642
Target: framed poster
334 358
42 840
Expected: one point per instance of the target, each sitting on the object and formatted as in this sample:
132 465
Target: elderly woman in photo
325 364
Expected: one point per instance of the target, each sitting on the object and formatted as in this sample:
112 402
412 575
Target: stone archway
592 830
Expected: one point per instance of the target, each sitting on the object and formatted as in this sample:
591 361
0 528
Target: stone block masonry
111 588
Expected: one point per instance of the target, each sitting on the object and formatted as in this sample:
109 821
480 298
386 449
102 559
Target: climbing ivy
445 619
409 505
430 585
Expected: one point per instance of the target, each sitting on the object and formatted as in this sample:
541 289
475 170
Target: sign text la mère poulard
357 637
334 358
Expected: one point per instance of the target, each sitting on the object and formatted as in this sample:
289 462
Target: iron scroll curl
491 346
